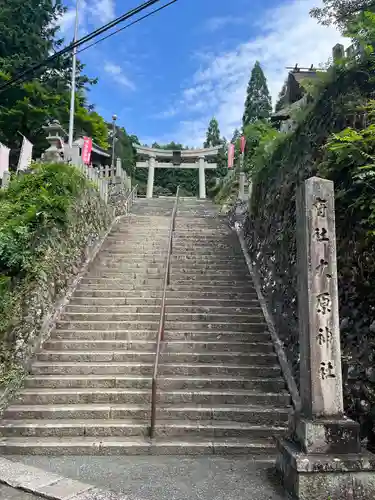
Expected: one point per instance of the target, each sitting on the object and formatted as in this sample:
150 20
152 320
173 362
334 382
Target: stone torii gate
152 158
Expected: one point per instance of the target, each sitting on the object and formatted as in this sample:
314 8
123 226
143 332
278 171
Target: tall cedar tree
258 104
212 134
213 139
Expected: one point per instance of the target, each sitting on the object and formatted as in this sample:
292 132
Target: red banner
243 143
230 155
86 150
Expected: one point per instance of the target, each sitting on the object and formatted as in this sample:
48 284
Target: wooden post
321 458
6 180
105 190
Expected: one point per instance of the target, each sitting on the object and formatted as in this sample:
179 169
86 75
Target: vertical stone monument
322 459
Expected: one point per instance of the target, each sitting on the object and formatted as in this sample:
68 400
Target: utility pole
73 82
114 118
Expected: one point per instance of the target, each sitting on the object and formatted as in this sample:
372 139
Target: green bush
50 218
32 209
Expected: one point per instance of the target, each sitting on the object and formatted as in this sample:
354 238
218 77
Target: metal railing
160 336
133 195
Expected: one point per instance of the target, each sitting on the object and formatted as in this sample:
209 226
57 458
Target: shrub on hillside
50 218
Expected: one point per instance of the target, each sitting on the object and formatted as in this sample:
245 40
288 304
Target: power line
20 76
127 26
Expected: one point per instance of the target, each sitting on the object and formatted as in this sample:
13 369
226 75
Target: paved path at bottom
8 493
167 477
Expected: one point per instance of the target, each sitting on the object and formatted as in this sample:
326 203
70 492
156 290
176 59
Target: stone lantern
55 137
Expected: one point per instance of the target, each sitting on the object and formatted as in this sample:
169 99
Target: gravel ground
163 477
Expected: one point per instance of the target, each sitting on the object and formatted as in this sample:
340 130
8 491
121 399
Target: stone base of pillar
326 476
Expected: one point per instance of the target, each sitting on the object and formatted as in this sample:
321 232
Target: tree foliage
259 137
350 162
258 104
31 208
212 134
29 32
341 12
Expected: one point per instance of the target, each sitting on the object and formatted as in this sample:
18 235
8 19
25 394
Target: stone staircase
220 385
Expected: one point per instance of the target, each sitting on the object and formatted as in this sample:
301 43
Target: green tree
124 149
236 136
212 134
361 29
90 123
258 135
341 12
29 33
258 104
280 98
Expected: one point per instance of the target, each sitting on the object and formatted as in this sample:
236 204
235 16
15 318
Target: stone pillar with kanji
322 458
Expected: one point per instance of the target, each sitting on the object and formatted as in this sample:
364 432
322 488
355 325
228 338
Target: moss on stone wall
270 233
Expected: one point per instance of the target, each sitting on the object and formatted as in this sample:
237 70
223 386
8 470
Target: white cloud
287 35
92 13
217 23
118 75
103 10
66 21
168 113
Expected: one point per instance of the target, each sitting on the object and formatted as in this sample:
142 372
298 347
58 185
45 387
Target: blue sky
168 75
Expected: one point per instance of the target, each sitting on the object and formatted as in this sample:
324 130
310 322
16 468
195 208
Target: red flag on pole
243 143
86 150
230 155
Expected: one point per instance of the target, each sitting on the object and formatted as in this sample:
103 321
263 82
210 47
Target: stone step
146 308
184 317
146 345
126 428
210 326
203 357
134 368
177 274
142 396
219 281
182 295
172 303
131 335
180 259
220 288
87 285
119 275
144 382
194 249
68 446
105 278
198 289
258 415
206 260
158 236
130 270
89 381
